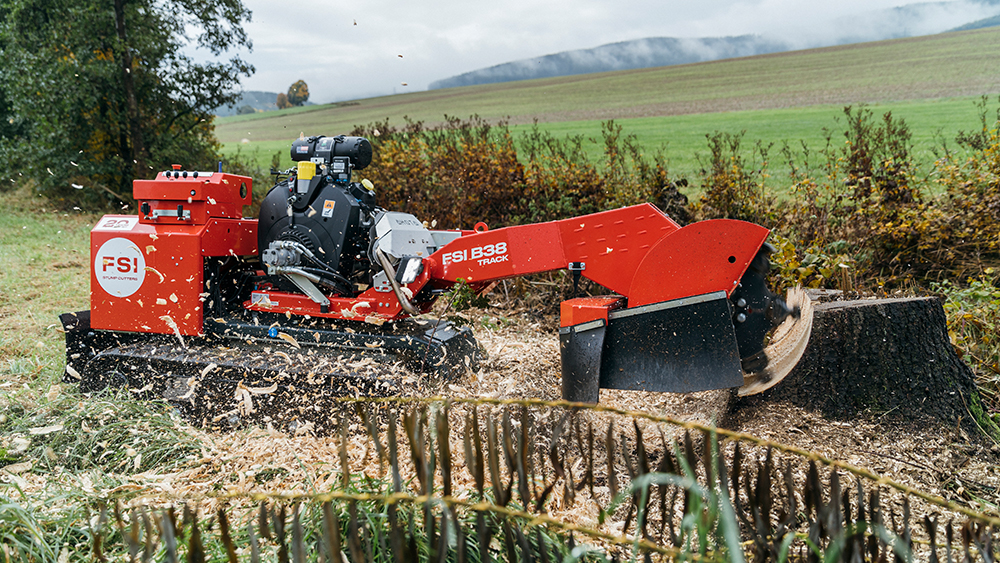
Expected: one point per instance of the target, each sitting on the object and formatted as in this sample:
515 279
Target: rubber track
219 386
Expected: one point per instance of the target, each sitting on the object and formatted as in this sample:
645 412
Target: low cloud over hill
641 53
906 21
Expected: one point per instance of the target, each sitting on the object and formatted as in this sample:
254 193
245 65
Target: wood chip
43 430
153 270
16 468
289 339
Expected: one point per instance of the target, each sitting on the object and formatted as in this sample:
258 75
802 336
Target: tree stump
883 357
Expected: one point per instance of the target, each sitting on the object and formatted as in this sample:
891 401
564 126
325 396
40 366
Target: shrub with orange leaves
467 171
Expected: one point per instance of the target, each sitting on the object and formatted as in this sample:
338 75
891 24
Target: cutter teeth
788 343
778 310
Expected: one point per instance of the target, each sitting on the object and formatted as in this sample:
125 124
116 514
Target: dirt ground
523 362
947 462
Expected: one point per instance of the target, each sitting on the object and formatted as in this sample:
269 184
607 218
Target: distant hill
625 55
259 101
987 22
905 21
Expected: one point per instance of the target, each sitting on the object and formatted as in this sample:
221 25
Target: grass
78 447
683 137
44 268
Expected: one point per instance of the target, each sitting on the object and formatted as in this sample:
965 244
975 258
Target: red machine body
637 252
148 271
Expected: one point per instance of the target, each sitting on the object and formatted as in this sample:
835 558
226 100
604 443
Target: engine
316 224
320 229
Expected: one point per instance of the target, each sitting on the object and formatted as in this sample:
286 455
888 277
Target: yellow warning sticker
328 208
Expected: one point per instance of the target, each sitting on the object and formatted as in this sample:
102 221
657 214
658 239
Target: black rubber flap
581 348
678 346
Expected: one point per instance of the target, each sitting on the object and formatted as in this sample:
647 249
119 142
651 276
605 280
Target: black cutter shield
678 346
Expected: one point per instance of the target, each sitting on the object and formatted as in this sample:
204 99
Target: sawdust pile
523 362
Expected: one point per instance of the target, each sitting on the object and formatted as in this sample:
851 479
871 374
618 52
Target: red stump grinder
321 295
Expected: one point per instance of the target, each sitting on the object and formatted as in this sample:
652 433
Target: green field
932 82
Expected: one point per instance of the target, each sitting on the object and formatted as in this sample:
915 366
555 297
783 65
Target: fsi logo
120 267
118 223
488 254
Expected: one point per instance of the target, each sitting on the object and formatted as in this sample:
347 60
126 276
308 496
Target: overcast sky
348 50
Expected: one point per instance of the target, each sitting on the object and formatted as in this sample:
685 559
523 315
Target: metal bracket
380 283
180 213
308 288
577 269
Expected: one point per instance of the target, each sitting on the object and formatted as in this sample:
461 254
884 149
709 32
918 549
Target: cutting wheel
788 343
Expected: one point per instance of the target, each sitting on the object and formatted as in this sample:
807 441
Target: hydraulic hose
391 273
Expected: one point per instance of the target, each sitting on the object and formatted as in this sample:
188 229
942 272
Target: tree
282 101
246 110
298 93
108 92
13 130
13 127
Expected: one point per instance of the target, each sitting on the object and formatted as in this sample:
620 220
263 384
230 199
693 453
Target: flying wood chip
173 326
289 339
153 270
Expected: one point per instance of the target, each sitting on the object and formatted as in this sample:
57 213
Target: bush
974 326
856 212
970 225
734 186
467 171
